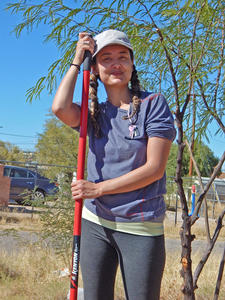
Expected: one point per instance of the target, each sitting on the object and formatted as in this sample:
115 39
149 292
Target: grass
198 229
172 281
33 271
20 221
34 274
31 274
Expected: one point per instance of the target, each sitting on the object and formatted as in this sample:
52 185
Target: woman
130 135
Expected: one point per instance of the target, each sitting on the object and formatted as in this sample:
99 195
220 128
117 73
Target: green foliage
10 152
189 33
57 145
204 157
57 220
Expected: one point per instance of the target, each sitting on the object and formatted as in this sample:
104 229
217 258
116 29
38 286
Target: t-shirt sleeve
159 120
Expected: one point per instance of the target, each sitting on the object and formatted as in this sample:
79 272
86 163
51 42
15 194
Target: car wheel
39 195
20 201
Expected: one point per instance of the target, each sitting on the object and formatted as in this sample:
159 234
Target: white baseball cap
110 37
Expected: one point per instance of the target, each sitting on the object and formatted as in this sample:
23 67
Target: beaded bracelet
77 66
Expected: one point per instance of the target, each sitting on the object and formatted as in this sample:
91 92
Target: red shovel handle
80 175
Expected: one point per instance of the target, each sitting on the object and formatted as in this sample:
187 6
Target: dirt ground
13 239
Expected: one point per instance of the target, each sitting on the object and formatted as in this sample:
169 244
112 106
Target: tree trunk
186 271
185 232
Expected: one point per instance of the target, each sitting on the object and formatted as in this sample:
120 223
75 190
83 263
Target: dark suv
25 181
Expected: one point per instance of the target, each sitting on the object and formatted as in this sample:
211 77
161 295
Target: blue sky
23 61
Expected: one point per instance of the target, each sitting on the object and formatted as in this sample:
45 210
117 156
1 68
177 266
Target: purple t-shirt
122 148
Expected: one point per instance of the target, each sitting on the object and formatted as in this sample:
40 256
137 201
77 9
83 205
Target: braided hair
135 92
94 106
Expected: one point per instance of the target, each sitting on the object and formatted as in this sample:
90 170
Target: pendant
133 131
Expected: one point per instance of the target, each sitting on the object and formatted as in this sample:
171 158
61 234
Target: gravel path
12 241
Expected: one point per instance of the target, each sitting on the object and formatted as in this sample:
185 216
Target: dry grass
198 229
172 281
20 221
30 273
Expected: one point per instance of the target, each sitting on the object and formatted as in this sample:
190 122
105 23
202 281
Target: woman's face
114 66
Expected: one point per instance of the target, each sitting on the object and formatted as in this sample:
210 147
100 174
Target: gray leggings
141 260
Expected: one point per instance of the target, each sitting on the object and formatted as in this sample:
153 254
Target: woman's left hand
83 189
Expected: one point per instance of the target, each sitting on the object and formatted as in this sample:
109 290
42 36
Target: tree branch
191 80
166 52
208 185
219 278
194 35
202 188
205 39
219 68
208 250
213 113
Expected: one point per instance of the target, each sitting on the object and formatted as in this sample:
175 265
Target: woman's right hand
63 106
84 43
83 189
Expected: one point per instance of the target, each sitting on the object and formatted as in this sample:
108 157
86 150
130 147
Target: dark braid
136 93
94 106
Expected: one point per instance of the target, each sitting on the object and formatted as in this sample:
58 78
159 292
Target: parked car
25 182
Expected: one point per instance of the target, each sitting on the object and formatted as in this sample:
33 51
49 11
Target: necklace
133 130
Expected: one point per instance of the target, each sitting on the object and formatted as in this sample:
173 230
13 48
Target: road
12 241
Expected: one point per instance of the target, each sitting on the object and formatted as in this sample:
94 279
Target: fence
39 167
30 184
215 196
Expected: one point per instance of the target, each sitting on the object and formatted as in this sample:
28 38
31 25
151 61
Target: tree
204 157
57 145
205 160
10 152
179 50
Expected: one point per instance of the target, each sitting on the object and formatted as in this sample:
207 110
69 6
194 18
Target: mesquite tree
179 51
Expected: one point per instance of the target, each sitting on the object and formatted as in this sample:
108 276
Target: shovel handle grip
87 61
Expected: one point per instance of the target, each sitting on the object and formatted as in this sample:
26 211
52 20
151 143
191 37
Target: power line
19 135
15 144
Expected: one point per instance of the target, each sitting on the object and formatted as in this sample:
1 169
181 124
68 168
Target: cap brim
113 43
